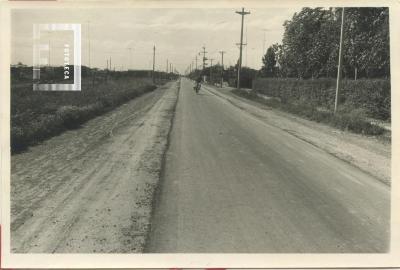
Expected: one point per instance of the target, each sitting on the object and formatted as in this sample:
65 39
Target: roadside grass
39 115
345 119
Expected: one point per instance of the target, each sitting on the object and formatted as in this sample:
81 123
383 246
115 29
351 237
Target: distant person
199 79
198 84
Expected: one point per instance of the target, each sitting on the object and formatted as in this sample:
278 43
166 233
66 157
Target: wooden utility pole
264 30
154 62
222 66
196 62
48 56
130 59
211 65
242 13
88 23
106 73
339 71
204 57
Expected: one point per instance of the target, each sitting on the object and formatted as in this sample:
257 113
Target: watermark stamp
41 59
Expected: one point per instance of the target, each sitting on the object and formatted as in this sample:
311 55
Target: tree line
310 45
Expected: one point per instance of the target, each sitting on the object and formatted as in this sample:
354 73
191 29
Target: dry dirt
91 189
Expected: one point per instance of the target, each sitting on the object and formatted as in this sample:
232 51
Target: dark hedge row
353 121
370 95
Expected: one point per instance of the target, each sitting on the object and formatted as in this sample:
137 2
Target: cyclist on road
198 83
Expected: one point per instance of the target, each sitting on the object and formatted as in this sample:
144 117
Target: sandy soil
91 189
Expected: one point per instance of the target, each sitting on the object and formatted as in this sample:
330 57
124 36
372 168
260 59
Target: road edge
161 172
340 156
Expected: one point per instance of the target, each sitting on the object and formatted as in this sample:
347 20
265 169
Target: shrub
19 138
70 115
354 120
372 95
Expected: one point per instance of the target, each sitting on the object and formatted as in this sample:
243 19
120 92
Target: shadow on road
203 94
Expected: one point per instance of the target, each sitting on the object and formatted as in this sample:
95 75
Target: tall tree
310 43
269 63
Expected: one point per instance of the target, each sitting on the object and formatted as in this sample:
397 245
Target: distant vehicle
197 87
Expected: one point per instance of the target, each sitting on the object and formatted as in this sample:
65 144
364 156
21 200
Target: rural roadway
234 183
174 171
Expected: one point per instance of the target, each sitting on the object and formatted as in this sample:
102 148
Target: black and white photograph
155 129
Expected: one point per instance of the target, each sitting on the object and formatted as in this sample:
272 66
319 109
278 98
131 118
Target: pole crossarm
242 13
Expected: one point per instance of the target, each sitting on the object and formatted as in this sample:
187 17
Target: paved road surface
233 183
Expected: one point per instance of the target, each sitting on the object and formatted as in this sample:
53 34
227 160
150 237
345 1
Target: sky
178 34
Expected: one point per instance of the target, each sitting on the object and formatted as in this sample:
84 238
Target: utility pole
130 58
154 61
167 66
106 72
242 13
89 42
110 63
196 62
222 65
49 54
339 71
204 57
264 42
211 65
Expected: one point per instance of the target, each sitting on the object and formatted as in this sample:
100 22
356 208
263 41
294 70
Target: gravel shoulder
367 153
91 189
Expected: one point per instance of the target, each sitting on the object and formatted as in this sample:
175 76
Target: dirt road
90 189
234 183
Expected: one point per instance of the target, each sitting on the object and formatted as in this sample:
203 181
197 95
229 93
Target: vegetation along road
293 160
227 181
